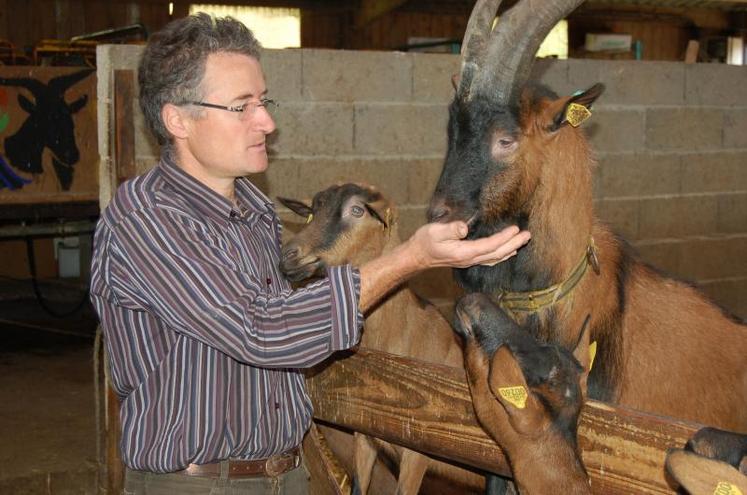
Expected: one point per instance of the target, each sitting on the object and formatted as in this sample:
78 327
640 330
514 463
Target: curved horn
475 42
62 83
35 87
514 43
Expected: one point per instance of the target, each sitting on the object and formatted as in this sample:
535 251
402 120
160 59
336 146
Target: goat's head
502 137
522 390
348 223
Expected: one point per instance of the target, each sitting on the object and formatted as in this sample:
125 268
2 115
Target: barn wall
670 139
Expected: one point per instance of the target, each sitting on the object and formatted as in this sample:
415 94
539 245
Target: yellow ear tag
515 395
388 217
592 353
576 114
726 488
309 218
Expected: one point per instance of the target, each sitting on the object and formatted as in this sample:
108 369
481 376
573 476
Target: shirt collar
208 202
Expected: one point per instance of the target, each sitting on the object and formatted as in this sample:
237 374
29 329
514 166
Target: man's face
223 144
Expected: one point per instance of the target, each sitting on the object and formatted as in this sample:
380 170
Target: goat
49 125
515 156
354 224
707 465
526 395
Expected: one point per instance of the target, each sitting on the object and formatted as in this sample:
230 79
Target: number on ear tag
515 395
726 488
576 114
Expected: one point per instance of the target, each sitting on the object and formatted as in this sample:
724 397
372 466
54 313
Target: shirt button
269 281
277 405
232 214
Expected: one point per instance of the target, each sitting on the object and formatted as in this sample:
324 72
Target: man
206 339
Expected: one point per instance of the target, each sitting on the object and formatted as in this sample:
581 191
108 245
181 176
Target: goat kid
714 462
353 223
527 396
516 156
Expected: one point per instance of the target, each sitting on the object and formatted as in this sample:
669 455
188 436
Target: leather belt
271 467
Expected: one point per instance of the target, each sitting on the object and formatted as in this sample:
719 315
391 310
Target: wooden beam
124 124
428 408
373 9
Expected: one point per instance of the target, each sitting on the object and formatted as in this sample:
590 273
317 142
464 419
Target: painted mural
48 145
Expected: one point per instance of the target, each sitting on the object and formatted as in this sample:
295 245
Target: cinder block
715 84
729 294
423 177
732 213
630 82
410 219
662 255
145 163
280 179
419 129
313 129
621 215
616 130
348 76
713 258
683 129
714 172
676 217
388 175
553 74
431 77
145 143
639 174
282 74
124 56
735 128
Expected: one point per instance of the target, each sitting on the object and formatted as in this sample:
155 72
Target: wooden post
428 408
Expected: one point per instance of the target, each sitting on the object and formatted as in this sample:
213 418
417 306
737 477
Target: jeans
294 482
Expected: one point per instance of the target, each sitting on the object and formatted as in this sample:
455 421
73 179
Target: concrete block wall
671 141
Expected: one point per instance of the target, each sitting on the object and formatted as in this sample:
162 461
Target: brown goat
354 224
516 156
709 463
527 396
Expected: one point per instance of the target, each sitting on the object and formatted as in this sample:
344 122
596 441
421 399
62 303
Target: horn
514 42
475 42
35 87
61 83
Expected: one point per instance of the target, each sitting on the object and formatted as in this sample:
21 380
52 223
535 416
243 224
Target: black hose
37 292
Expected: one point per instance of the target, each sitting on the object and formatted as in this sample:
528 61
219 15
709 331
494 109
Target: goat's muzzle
296 267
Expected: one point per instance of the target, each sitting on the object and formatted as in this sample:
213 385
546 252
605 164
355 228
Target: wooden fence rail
428 408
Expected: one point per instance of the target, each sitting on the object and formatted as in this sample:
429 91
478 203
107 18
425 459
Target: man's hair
173 62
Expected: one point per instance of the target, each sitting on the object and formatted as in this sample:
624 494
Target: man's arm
435 245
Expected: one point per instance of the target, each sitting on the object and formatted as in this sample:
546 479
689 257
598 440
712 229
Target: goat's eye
505 142
357 211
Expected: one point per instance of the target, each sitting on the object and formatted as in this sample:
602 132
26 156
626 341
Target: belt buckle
274 466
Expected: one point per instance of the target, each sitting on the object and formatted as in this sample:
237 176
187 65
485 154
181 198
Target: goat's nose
438 211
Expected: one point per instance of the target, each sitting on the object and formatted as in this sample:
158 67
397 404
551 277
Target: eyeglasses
245 110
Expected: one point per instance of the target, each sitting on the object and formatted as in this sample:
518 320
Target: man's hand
435 245
441 244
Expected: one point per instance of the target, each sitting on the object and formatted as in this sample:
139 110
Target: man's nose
264 121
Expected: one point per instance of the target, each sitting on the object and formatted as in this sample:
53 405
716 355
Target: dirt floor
47 410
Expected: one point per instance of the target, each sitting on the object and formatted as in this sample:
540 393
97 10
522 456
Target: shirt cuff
347 319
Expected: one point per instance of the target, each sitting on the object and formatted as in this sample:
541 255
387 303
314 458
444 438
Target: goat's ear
296 206
381 210
583 352
26 104
509 386
576 109
699 474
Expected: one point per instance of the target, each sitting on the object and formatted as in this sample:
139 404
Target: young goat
709 463
516 156
527 396
353 224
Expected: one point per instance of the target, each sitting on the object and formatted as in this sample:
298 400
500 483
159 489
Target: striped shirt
205 337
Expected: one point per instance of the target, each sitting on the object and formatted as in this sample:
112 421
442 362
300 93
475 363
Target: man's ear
576 109
174 120
509 386
298 207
